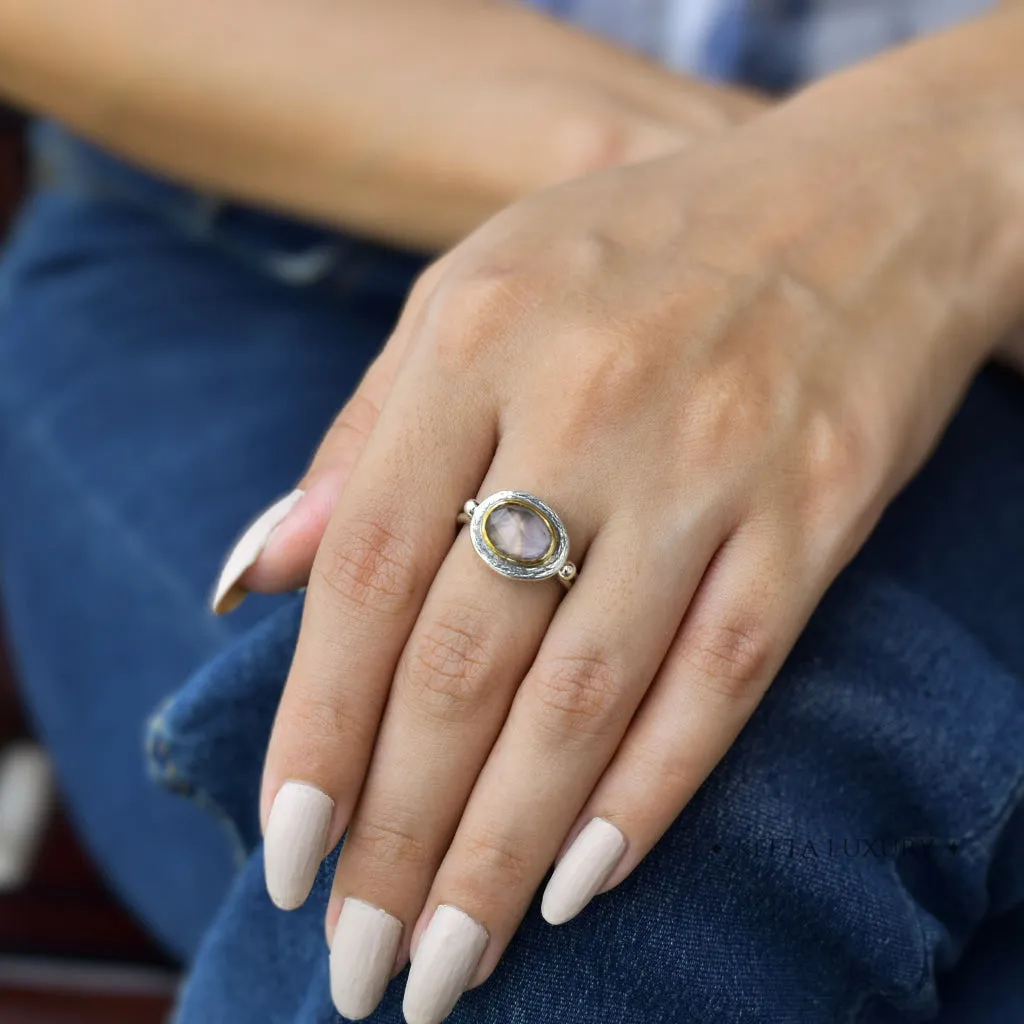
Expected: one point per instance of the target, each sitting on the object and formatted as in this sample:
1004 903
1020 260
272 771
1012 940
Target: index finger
388 535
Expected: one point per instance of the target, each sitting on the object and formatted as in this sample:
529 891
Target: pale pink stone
518 533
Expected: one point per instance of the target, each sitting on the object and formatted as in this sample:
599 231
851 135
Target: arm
410 120
1010 348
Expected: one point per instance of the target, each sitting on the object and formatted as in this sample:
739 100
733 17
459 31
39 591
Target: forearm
979 74
931 156
412 121
1010 348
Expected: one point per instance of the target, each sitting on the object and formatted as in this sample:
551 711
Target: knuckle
492 856
385 843
680 774
447 669
668 776
847 474
836 450
730 659
427 282
578 693
320 722
725 413
471 310
373 567
609 368
608 376
359 416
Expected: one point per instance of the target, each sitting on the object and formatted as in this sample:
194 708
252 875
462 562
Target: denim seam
975 837
972 837
864 998
195 222
998 817
164 769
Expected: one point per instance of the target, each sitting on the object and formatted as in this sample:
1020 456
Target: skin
782 321
408 120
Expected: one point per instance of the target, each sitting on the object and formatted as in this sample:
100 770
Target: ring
519 536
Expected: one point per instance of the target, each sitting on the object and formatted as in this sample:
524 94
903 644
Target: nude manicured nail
582 871
229 594
445 961
295 842
362 957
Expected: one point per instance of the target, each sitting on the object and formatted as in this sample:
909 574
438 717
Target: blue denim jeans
167 364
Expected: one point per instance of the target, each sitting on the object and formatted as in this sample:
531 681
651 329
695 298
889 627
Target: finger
600 654
276 551
743 622
392 526
472 645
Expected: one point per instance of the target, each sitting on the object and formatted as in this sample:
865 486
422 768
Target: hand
594 106
718 368
1011 351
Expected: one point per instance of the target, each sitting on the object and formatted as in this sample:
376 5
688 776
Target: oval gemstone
519 533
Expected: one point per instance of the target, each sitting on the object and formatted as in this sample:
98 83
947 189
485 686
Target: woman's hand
1011 351
406 120
717 368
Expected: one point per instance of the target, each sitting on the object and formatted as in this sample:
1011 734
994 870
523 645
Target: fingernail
295 842
229 594
362 957
445 961
582 871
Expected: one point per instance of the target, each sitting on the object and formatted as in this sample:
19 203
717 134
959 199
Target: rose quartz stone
517 532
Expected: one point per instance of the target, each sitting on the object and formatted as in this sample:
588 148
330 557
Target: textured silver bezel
516 570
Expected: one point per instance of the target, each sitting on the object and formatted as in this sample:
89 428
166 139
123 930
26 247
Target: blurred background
69 954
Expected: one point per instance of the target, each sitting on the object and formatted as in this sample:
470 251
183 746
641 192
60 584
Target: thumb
276 551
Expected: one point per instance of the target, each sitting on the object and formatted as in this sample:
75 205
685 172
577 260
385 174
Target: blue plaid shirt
771 44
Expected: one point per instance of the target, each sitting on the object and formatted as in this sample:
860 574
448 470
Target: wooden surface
33 1007
67 910
12 167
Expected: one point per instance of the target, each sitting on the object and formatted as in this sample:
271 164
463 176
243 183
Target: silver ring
519 536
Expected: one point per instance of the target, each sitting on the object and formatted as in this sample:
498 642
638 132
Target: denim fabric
866 828
156 390
857 857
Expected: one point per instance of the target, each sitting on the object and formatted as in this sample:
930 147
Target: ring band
519 536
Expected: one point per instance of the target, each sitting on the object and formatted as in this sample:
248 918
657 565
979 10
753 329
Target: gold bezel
552 532
548 565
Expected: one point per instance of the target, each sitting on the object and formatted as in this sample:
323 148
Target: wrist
933 135
597 105
965 89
